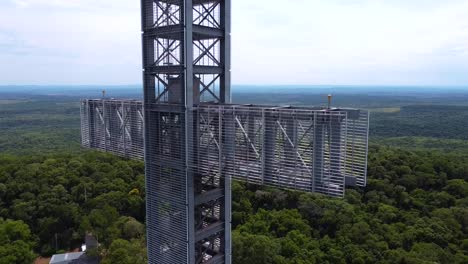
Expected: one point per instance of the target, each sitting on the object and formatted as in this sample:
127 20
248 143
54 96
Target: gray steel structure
317 150
285 147
113 126
195 141
186 60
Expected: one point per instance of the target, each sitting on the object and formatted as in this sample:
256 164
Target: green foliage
457 188
40 125
424 143
409 213
436 121
126 252
255 249
16 243
275 223
61 197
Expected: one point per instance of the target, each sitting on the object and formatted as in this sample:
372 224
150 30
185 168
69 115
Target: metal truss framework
186 60
197 52
307 149
113 126
195 141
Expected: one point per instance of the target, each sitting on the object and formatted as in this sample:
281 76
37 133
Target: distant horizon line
255 85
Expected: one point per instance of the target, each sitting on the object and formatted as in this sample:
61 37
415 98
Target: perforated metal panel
166 182
301 149
307 149
357 138
113 126
186 60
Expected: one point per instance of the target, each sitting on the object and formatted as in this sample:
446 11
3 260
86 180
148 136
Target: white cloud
81 4
342 43
72 42
274 41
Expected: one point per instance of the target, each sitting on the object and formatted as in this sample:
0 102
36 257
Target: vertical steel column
337 153
269 146
290 149
228 148
190 141
91 123
226 51
318 150
186 53
226 97
165 132
134 133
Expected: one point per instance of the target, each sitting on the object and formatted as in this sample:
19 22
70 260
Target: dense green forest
57 198
38 125
450 122
414 209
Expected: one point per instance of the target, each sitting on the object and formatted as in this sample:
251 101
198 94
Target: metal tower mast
186 58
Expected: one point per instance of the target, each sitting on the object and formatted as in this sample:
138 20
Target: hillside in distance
344 96
47 118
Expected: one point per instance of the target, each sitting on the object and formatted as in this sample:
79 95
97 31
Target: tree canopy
414 210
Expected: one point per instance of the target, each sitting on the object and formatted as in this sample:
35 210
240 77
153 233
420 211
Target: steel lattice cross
194 141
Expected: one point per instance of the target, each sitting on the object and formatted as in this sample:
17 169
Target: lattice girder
308 149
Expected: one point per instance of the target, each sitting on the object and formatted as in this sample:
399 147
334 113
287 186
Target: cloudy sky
356 42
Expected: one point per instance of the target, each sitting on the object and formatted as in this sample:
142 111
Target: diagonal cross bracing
113 126
317 153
